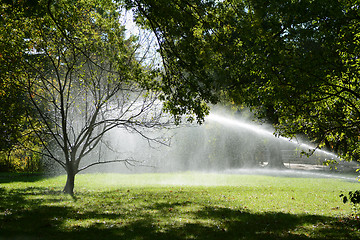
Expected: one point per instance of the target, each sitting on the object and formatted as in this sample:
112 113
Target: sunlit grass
178 206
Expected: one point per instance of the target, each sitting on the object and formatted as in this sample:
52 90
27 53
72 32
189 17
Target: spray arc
268 133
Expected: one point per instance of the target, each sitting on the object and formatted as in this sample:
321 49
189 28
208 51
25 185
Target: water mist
222 144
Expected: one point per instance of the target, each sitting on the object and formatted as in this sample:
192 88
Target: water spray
264 132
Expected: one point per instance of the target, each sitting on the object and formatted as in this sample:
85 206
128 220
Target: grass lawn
176 206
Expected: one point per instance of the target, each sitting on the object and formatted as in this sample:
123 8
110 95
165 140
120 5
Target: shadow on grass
20 177
34 213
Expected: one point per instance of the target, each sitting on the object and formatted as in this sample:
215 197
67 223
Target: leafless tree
84 80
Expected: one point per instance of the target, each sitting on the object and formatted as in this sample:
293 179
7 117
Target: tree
15 107
13 101
84 78
294 63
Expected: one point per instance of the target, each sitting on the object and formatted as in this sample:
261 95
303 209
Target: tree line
69 74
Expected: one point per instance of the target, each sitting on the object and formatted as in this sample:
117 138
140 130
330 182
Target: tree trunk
275 160
70 181
249 160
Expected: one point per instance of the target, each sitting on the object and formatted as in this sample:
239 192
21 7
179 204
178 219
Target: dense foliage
16 112
295 63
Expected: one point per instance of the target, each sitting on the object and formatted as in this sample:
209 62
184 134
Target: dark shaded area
21 177
23 216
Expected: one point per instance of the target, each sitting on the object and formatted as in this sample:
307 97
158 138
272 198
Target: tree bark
70 181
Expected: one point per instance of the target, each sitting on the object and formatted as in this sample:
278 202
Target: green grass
176 206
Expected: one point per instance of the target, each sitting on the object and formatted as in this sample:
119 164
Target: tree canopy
295 63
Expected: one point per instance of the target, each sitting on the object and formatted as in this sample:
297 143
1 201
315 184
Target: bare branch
128 161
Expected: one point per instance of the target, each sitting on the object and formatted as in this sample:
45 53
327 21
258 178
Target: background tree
294 63
15 107
84 78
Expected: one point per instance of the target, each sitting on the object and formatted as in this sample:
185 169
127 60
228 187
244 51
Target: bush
20 160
